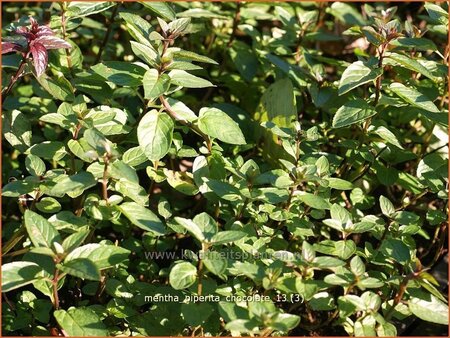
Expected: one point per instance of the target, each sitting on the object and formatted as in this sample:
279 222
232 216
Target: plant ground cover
206 169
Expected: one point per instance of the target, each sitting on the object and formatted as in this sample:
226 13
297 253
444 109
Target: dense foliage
223 168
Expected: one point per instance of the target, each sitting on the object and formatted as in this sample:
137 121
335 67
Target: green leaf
227 236
196 313
373 36
344 249
421 44
406 218
42 233
182 275
134 156
182 110
120 73
162 9
35 165
224 190
437 13
386 135
138 27
132 190
357 74
216 123
74 240
104 256
184 79
179 26
410 64
18 274
314 201
284 322
414 97
50 150
386 329
48 205
155 132
181 181
146 53
184 55
339 183
17 188
396 249
57 86
430 309
207 224
387 208
77 9
215 263
357 266
17 129
82 268
155 84
192 227
80 322
327 262
369 282
322 301
75 183
353 112
142 217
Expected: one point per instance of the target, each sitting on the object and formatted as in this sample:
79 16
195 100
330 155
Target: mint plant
231 169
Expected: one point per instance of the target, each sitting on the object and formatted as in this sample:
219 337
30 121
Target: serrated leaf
48 205
314 201
42 233
17 129
357 74
227 236
155 84
410 64
142 217
387 208
414 97
216 123
80 322
162 9
191 56
185 79
215 263
81 268
387 136
18 274
396 249
104 256
35 166
430 309
78 182
192 227
146 53
57 86
182 275
353 112
138 27
121 73
155 133
78 9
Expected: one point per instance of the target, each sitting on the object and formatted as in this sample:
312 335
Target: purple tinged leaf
52 42
25 32
8 47
40 58
44 31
